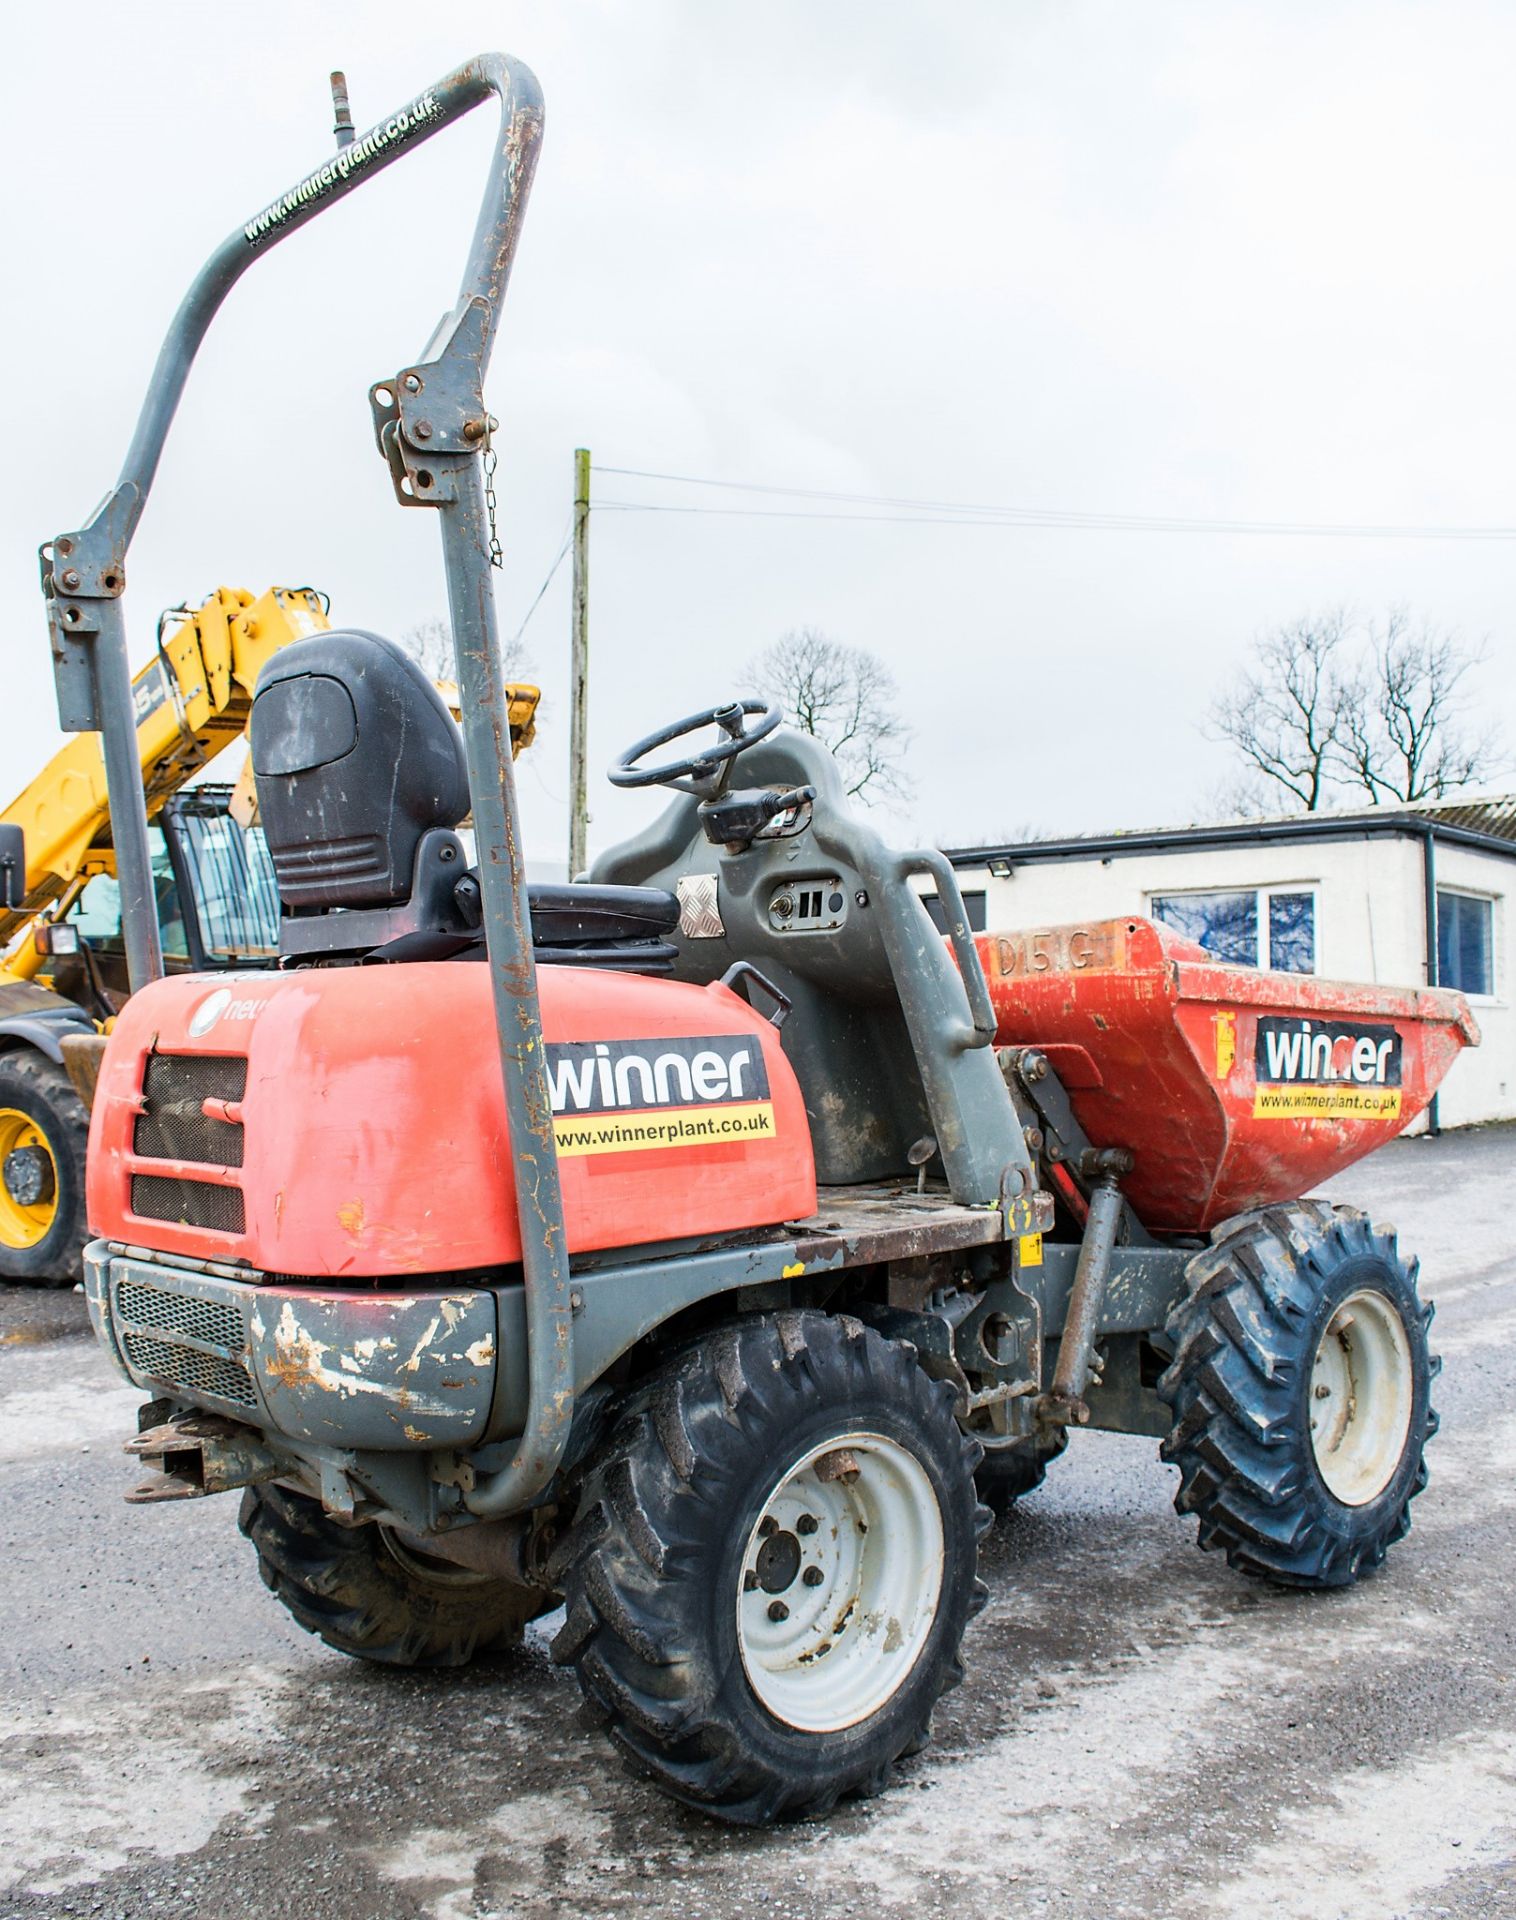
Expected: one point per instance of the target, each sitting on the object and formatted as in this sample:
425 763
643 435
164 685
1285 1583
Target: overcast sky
1250 262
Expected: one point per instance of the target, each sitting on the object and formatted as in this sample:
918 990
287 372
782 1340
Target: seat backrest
355 757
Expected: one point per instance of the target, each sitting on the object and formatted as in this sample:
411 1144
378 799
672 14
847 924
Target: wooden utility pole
579 669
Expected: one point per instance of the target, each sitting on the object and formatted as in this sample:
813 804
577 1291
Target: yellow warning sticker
1226 1042
637 1131
1029 1253
1326 1103
1021 1214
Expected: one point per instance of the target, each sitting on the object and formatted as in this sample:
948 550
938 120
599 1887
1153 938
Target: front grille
190 1203
209 1320
172 1125
188 1368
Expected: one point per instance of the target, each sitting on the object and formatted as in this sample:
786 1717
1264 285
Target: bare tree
1286 716
846 697
430 642
1406 734
1338 708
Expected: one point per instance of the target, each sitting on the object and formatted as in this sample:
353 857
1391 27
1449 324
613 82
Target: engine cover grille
213 1321
172 1125
165 1333
189 1368
189 1203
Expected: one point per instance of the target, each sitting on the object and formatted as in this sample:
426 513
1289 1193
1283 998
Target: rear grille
209 1320
189 1203
172 1125
188 1368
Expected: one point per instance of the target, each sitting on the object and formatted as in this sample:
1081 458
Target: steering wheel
699 768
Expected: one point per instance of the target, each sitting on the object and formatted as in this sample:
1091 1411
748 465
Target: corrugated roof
1487 821
1496 815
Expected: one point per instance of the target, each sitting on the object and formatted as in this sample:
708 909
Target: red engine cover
371 1140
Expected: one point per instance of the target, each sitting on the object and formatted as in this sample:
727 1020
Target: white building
1398 896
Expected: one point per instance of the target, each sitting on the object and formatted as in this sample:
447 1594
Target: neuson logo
222 1005
606 1076
209 1012
1324 1052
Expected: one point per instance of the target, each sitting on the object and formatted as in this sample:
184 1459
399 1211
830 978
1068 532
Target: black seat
356 759
362 783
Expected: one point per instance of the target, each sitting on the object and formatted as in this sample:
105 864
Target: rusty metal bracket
83 579
196 1455
431 417
441 400
1059 1139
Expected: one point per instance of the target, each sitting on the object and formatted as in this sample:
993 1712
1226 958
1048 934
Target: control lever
737 819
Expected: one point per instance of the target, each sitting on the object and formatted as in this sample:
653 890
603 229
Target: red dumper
700 1246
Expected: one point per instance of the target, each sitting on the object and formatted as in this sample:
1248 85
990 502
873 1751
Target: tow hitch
194 1454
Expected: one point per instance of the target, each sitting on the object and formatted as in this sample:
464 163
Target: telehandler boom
703 1247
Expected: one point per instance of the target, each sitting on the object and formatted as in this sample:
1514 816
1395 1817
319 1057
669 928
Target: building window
1248 927
973 906
1292 932
1465 942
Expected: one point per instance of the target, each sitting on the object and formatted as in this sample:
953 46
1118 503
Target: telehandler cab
715 1299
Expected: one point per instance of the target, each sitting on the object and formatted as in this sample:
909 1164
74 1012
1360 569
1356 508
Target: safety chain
491 461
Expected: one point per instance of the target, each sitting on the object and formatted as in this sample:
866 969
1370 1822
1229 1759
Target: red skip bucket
1232 1087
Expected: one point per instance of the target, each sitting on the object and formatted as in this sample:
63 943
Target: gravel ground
1141 1732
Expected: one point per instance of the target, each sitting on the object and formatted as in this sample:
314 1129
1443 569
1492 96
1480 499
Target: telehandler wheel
1006 1473
366 1593
43 1130
772 1566
1301 1387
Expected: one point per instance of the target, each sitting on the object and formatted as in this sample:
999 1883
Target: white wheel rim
1362 1387
840 1581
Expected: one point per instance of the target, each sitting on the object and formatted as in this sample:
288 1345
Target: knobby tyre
772 1565
1301 1391
367 1593
43 1132
1006 1474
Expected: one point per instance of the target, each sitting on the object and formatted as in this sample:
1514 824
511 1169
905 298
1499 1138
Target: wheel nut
778 1610
1323 1393
813 1576
749 1581
767 1525
806 1523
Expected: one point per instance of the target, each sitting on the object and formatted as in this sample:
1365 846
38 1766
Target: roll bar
431 424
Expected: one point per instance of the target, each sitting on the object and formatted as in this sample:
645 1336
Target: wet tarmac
1141 1732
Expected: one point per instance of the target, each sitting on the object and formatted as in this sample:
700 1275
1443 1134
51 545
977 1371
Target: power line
537 602
909 512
